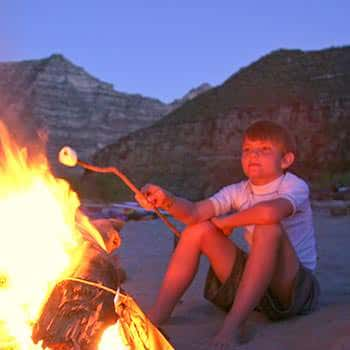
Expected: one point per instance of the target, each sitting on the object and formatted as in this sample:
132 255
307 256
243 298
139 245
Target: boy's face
263 161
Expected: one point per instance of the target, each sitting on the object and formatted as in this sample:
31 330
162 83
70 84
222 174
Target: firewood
75 314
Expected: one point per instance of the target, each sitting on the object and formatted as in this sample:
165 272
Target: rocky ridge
190 95
195 150
70 105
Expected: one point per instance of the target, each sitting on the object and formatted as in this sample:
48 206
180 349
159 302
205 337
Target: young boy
273 206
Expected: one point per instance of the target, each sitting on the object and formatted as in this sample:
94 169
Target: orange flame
40 243
112 339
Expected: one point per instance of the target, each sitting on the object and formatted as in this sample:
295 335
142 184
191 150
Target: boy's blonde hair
268 130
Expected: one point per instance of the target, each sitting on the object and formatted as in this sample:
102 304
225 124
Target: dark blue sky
164 48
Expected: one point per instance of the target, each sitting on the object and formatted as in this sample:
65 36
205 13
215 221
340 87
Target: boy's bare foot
247 332
226 340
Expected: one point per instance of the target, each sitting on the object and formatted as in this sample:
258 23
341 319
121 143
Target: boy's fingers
143 202
148 201
155 198
154 194
214 221
226 231
149 188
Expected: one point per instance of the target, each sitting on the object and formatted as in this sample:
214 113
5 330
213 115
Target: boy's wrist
220 223
169 202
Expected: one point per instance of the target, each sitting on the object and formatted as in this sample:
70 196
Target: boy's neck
262 182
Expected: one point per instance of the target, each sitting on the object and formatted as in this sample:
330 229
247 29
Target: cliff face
71 105
195 150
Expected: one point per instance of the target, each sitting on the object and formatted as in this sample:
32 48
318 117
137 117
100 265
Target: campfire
58 286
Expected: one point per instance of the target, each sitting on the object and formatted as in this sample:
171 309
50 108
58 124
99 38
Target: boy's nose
255 152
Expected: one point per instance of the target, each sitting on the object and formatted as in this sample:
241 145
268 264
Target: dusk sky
164 48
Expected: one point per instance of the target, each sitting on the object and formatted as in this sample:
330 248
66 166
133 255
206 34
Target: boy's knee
199 231
273 231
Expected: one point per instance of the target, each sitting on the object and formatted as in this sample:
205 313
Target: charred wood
75 314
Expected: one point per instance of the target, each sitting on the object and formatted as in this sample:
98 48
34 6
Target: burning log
82 307
136 329
76 313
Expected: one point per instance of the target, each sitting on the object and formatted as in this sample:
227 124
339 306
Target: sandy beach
144 254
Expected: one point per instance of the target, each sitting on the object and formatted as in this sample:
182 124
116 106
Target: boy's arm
263 213
189 212
186 211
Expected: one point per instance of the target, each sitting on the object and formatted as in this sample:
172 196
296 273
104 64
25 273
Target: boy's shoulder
294 181
233 190
239 186
289 180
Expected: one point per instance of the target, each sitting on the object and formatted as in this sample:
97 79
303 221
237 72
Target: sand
144 254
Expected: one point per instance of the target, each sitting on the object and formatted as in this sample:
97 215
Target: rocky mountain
195 150
190 95
69 104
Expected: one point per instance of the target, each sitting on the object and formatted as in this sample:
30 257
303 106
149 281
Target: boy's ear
287 160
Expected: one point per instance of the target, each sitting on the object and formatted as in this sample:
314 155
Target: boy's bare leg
200 238
271 262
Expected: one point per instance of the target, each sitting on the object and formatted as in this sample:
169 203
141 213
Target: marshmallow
68 156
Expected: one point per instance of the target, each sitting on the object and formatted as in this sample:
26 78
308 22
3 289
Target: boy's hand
220 223
154 195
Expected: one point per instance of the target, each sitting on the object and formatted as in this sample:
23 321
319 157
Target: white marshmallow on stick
68 156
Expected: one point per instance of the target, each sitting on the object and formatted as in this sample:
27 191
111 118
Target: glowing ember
112 339
39 240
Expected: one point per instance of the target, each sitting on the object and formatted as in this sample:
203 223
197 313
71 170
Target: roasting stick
69 157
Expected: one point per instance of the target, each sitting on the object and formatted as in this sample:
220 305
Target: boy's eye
264 150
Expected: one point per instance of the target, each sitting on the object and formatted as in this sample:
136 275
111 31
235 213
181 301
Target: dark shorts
304 297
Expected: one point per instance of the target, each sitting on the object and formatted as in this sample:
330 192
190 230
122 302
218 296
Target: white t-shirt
298 226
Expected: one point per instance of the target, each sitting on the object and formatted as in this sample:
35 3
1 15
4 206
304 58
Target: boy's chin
254 174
